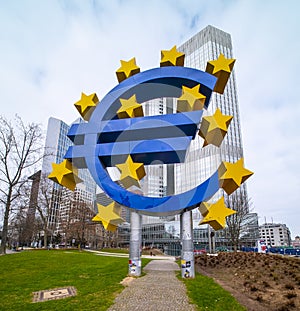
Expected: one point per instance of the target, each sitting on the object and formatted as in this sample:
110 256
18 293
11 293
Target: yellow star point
131 172
232 175
191 99
127 69
65 174
221 68
130 108
109 216
203 208
86 105
216 214
172 57
214 128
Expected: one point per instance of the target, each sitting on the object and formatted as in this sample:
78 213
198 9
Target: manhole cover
52 294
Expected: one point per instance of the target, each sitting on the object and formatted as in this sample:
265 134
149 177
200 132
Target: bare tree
16 229
237 223
18 217
76 221
43 204
20 150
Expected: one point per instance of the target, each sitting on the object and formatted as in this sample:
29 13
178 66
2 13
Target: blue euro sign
162 139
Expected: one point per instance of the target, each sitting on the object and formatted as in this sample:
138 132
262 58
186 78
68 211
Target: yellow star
130 108
203 208
131 172
171 57
216 215
127 69
86 105
65 174
191 99
221 68
214 128
109 216
232 175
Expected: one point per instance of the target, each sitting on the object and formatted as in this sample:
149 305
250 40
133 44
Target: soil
258 281
152 251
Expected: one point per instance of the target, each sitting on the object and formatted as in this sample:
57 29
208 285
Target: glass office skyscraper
202 162
56 146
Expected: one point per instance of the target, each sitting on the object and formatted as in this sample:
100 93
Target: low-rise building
296 242
275 234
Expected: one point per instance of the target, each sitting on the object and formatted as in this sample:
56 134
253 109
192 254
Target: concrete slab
158 290
162 265
53 294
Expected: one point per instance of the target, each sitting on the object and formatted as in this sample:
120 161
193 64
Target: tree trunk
45 237
5 222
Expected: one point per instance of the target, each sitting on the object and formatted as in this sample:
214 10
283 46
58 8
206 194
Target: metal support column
135 263
209 239
213 238
187 253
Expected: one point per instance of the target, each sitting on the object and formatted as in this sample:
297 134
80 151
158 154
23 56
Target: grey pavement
158 290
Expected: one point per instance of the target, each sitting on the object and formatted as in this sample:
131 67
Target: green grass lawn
210 296
96 279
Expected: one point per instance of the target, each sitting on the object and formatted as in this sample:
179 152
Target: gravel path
158 290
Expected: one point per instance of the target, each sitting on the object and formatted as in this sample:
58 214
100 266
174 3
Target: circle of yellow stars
213 130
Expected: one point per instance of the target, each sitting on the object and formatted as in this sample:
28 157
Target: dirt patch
127 281
152 251
258 281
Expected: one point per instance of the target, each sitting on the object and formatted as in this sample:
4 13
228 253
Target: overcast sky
51 51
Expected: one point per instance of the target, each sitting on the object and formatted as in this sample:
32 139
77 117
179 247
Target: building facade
296 242
201 162
275 234
56 146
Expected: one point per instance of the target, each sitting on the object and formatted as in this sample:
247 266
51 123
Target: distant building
296 242
250 232
200 163
26 237
72 200
275 234
56 146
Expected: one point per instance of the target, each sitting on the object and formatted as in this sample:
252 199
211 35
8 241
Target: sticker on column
186 265
134 265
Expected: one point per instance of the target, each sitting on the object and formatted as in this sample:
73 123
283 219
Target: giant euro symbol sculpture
117 134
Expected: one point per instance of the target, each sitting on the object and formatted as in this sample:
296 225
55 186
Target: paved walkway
158 290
